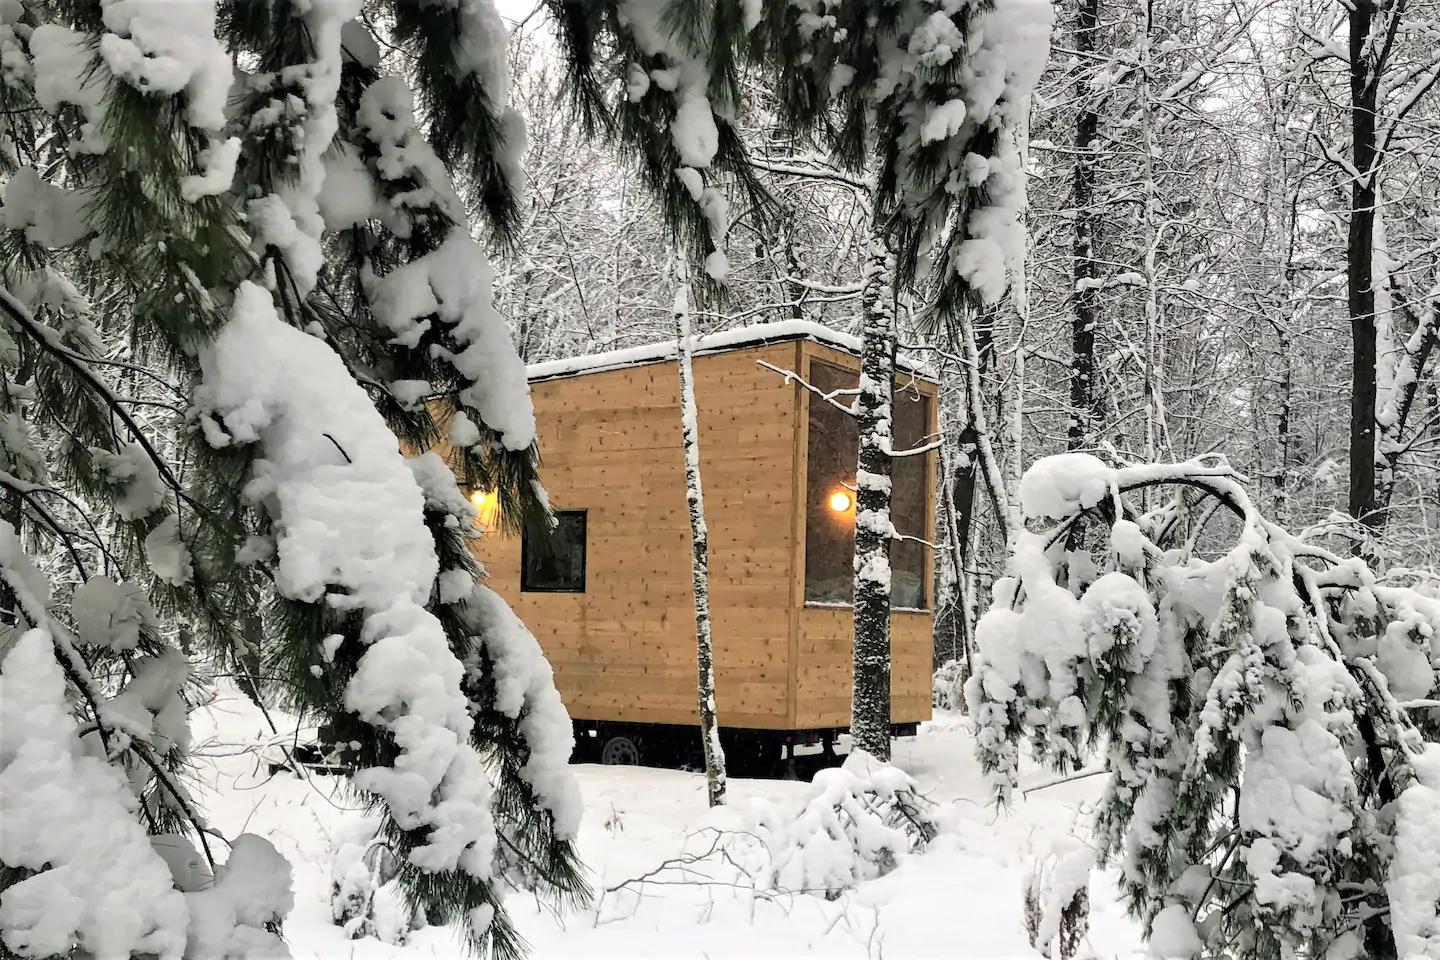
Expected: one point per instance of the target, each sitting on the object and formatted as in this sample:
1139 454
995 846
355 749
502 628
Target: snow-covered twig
828 396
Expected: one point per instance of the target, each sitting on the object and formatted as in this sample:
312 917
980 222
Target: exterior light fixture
841 501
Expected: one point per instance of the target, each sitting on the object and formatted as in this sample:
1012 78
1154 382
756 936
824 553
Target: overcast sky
515 9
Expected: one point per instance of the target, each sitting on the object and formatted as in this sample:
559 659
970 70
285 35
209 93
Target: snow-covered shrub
947 686
1057 898
1263 715
363 900
860 819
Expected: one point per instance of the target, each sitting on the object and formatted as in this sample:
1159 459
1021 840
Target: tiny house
610 597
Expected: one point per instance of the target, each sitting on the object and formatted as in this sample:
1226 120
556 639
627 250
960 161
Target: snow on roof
751 336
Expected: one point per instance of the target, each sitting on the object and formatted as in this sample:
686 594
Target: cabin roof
756 335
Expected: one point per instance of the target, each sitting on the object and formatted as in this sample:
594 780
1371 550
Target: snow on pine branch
525 690
1014 46
70 818
349 525
69 805
685 76
453 283
1245 707
290 219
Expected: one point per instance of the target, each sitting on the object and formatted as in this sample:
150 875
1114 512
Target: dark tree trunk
1086 293
1282 439
1359 255
870 698
962 503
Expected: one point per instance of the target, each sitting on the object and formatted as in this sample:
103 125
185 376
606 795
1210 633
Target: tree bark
1086 294
1359 265
870 696
699 557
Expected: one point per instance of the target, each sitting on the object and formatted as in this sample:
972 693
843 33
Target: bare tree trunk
1086 314
700 578
978 345
955 497
1156 434
870 696
1359 267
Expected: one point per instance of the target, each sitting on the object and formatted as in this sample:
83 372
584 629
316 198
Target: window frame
928 401
584 538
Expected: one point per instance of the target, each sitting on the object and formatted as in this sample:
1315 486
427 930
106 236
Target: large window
830 495
555 564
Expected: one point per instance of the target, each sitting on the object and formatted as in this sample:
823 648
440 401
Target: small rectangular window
555 564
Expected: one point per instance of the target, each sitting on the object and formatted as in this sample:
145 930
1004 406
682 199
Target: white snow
109 614
849 830
751 12
694 183
71 818
167 554
359 45
943 120
163 47
1063 484
525 688
251 889
454 283
31 589
461 431
63 75
50 216
140 491
1115 606
151 707
1070 865
693 129
636 818
217 164
1173 936
348 195
740 337
387 118
291 220
348 512
1415 871
346 506
455 585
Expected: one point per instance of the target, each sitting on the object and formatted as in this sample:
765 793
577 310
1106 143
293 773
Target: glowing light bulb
479 497
840 501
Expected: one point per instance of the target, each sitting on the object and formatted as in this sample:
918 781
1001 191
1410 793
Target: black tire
620 751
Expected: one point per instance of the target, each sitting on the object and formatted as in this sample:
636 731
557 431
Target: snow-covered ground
962 897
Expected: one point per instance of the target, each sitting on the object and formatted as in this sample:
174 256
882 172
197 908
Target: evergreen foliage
926 99
1264 716
160 160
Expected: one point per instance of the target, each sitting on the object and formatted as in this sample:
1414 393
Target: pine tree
227 290
1265 717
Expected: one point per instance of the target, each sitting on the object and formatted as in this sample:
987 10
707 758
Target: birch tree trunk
870 697
700 578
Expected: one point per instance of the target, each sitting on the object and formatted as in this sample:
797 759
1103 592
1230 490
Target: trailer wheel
620 751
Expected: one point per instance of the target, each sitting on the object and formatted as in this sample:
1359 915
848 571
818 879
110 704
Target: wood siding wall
825 635
610 444
625 649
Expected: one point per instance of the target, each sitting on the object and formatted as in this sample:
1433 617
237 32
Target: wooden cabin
611 602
